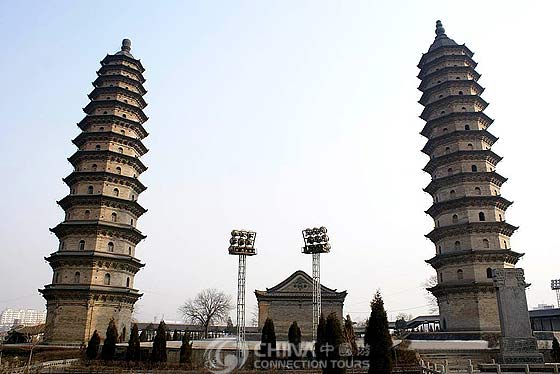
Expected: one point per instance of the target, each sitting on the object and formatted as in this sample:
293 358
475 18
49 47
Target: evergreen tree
294 338
321 339
159 347
168 336
334 340
175 336
185 355
110 343
230 329
268 340
350 335
133 349
93 346
145 332
555 350
378 339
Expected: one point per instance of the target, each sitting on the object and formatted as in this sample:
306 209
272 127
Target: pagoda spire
95 264
470 235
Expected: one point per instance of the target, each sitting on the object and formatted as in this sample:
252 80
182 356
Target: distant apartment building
544 306
26 317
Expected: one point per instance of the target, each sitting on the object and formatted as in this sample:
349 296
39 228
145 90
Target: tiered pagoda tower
471 235
95 264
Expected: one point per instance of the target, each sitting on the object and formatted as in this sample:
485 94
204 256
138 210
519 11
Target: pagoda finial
126 43
439 28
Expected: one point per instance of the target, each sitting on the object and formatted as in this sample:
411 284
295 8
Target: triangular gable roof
298 283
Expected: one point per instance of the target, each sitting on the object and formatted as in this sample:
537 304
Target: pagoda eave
484 135
98 82
473 256
458 47
92 105
134 61
98 227
448 84
474 155
109 119
438 183
97 91
479 116
460 58
451 69
83 137
110 67
108 155
459 287
441 103
500 227
102 200
468 201
76 292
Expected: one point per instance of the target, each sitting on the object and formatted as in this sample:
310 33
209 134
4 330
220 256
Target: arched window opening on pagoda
90 190
470 146
489 273
474 168
86 214
481 216
114 217
485 243
110 247
442 112
455 218
82 245
463 109
452 194
467 127
500 217
459 274
130 251
445 129
124 115
128 281
457 245
449 171
55 277
458 78
107 279
102 129
116 192
460 92
447 149
132 197
97 147
121 150
505 244
105 112
94 167
132 222
477 191
77 277
123 132
119 170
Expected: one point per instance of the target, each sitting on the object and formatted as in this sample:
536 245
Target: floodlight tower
242 244
315 242
555 286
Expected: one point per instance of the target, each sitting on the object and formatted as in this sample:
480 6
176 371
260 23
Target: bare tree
209 307
432 300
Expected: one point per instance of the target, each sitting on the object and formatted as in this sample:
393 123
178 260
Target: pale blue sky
274 116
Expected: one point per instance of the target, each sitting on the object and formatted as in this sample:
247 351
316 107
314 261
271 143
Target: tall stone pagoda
95 264
471 235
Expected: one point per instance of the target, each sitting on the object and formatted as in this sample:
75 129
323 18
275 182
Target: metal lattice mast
555 286
316 292
242 244
242 273
316 242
